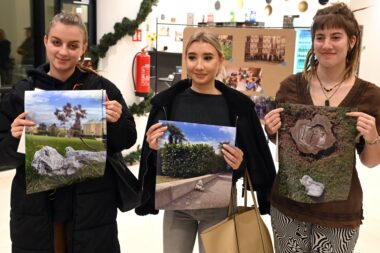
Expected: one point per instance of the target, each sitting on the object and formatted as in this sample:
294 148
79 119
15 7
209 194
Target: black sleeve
10 108
121 134
148 169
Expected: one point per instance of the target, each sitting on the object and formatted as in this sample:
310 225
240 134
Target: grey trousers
182 226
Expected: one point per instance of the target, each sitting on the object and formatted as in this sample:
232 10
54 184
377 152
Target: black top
194 107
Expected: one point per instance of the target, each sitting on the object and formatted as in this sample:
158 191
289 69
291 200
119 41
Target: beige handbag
243 231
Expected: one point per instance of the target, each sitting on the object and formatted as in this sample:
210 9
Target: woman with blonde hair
203 99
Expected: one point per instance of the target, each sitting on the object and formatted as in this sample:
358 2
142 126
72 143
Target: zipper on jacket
236 122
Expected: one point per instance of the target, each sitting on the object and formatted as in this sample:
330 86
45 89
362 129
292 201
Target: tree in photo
175 135
66 114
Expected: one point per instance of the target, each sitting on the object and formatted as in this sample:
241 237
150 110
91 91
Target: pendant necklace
333 87
325 91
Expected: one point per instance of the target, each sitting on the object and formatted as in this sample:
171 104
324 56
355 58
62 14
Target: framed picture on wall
163 30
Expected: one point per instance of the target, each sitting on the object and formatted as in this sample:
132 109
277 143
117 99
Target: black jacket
93 202
250 139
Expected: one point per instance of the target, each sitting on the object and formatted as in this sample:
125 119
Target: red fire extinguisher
142 81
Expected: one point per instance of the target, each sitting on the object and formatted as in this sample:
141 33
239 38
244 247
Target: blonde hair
68 19
335 16
210 38
75 20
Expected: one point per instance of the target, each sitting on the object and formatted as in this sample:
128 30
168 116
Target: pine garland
125 27
143 107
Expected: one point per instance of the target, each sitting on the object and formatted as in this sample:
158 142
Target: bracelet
374 142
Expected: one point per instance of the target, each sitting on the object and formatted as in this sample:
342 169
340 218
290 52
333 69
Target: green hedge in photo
183 160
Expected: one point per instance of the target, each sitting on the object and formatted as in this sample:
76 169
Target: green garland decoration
133 157
125 27
143 107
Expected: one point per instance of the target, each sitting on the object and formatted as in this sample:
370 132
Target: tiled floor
144 234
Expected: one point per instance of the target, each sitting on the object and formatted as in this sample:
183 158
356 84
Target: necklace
333 87
327 101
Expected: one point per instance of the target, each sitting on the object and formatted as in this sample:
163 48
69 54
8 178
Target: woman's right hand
18 125
273 121
154 132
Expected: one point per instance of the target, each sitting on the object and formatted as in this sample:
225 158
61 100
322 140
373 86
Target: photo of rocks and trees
191 171
67 144
316 153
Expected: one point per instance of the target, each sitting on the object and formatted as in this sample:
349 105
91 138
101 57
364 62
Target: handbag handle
247 182
232 208
248 179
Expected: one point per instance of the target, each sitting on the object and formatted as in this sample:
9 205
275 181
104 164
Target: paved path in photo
216 194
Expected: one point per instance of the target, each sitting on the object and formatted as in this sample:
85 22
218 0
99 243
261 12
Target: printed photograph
263 105
316 153
163 30
226 43
178 36
265 48
245 79
191 170
68 142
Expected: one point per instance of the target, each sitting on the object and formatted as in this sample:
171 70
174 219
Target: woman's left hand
113 110
366 125
232 155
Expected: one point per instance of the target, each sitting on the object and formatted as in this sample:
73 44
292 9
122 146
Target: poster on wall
191 170
178 36
265 48
244 79
163 30
273 71
303 45
226 43
316 153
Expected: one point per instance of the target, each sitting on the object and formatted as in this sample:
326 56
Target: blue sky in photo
202 133
41 105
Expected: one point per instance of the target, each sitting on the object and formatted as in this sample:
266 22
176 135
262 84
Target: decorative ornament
268 10
217 5
303 6
323 2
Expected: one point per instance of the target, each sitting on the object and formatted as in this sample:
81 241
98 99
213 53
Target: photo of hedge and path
67 144
191 170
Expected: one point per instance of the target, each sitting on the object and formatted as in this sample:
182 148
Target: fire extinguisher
142 81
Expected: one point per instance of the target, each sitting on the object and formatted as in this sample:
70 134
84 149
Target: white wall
370 45
201 8
117 64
